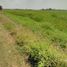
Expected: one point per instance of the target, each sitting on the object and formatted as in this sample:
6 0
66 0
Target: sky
34 4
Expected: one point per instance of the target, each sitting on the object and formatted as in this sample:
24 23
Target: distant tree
49 8
1 8
43 9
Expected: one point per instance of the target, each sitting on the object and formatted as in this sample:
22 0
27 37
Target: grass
47 27
39 35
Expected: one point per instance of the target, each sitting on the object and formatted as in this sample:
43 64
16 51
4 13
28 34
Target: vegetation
40 35
0 7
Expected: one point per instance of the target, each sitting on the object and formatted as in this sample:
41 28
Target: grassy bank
41 35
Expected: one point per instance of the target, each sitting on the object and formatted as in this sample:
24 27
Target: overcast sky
34 4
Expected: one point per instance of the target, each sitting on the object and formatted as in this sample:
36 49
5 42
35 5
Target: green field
33 38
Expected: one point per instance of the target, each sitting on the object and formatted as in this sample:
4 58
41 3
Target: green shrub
38 59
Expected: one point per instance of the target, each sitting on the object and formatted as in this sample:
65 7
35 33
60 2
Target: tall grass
49 29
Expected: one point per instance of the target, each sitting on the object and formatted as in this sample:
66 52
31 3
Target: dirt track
9 56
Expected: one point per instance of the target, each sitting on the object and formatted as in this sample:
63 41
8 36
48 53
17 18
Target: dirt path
9 56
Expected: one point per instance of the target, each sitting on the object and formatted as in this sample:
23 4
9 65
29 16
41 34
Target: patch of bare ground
9 56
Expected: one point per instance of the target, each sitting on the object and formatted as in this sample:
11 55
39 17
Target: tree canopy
0 7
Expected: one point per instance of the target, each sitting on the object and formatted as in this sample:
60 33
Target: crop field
33 38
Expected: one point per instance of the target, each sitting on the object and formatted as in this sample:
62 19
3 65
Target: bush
38 59
0 7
